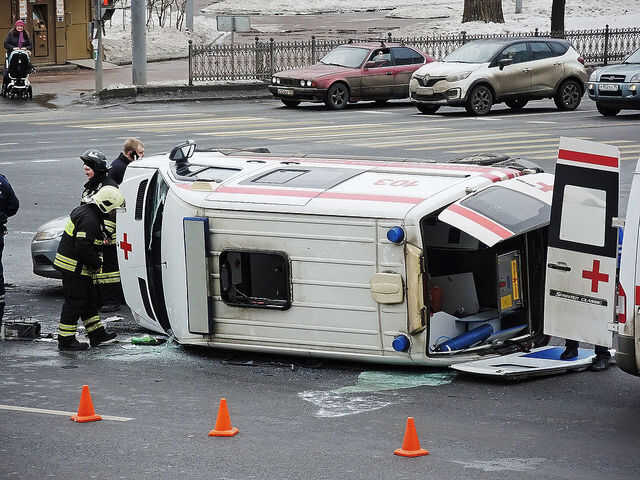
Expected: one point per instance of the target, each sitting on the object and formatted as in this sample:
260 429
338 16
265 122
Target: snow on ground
435 17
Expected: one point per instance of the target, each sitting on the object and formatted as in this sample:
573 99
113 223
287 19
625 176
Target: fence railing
260 60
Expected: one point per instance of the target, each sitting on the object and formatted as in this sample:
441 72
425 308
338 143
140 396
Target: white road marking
10 143
46 161
7 163
539 121
377 111
58 412
487 119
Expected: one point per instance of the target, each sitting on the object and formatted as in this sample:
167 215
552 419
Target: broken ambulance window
511 209
584 211
255 279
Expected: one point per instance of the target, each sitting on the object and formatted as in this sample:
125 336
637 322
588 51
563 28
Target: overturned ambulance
411 263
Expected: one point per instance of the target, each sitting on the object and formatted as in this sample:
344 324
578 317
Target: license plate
285 91
427 91
608 87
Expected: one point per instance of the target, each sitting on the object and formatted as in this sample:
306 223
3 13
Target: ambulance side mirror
183 151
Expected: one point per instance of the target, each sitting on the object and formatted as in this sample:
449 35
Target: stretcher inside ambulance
359 259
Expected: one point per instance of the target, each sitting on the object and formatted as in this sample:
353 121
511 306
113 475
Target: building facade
60 30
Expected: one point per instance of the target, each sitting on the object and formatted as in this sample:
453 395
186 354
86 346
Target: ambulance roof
358 187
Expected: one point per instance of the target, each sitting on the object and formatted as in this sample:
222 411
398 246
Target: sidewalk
166 81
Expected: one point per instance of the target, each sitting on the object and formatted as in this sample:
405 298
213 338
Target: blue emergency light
401 343
395 234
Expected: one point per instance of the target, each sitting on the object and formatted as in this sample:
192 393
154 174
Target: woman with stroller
16 38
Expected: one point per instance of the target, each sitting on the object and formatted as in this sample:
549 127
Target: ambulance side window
258 279
583 215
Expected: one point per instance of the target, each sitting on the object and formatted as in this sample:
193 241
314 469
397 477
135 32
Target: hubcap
338 96
481 100
570 95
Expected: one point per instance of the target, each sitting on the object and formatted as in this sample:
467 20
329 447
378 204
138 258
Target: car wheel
480 100
568 96
290 103
382 101
607 111
427 108
517 103
337 96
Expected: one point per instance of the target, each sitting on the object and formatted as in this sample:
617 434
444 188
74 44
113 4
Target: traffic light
108 3
107 8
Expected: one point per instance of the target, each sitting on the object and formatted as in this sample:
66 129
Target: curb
178 93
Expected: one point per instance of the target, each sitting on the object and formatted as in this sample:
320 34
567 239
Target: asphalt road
297 418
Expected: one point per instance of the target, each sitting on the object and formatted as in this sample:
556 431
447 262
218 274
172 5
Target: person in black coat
133 149
16 38
8 207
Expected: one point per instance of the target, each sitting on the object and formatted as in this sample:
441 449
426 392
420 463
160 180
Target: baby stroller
19 67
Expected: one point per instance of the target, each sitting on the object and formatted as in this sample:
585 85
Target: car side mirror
503 62
369 65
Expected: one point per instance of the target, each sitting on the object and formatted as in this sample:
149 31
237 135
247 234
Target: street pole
138 42
98 64
189 15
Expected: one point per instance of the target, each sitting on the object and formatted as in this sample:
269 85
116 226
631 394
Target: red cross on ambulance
126 246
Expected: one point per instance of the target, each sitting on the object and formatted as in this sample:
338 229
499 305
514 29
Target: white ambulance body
359 259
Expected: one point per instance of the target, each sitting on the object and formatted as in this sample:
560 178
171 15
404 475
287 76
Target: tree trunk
557 16
483 11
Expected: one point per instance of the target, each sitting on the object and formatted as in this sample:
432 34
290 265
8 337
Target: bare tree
557 15
483 11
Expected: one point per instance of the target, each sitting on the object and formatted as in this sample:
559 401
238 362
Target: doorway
43 28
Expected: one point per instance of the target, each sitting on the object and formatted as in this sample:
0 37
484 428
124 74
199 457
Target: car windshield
634 57
474 52
345 57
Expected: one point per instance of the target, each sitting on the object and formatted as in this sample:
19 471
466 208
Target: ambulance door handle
560 266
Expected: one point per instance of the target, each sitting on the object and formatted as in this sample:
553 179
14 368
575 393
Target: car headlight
594 76
47 235
456 77
635 78
309 82
274 80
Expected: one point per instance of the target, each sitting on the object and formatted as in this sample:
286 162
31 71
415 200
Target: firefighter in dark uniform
79 258
108 279
8 207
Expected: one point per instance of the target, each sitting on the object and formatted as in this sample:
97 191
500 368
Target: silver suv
513 71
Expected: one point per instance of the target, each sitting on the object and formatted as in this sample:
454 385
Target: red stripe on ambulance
481 220
590 158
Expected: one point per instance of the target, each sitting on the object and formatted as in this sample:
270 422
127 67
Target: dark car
45 245
351 73
616 87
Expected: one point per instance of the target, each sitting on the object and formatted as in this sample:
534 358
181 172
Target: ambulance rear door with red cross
581 255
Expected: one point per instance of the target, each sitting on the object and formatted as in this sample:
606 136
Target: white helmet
108 198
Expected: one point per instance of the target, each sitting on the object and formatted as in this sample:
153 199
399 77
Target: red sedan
351 73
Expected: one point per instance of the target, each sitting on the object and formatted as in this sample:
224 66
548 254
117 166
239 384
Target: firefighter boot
71 344
101 336
600 362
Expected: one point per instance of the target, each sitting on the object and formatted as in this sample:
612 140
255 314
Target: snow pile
433 17
163 43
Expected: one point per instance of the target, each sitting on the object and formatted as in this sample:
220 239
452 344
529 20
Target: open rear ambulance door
492 215
581 258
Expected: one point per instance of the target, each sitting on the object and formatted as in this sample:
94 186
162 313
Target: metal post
536 33
518 6
388 37
189 15
98 61
464 37
606 43
190 63
259 76
271 57
138 42
233 53
313 49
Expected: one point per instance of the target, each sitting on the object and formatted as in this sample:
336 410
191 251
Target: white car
410 263
482 73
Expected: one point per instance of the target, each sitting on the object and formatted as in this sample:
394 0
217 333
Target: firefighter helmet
95 159
108 198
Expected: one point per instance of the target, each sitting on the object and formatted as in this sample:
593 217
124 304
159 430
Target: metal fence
260 60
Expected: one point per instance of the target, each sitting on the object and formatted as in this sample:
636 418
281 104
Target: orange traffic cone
411 444
86 413
223 426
